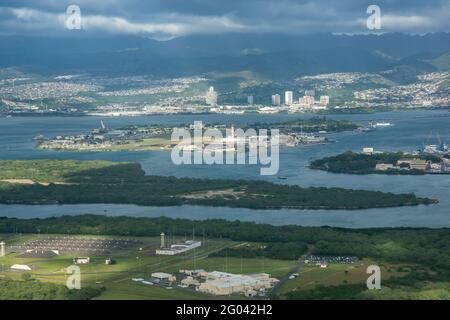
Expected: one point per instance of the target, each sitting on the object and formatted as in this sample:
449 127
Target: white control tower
2 249
163 242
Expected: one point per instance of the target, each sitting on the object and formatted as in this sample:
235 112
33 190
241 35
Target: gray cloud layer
171 18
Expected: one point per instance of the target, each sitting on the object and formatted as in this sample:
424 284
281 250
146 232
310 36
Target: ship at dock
441 148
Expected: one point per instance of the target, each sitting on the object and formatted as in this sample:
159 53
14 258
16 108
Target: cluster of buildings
429 90
150 87
45 90
215 283
103 138
306 102
176 248
413 163
223 283
408 164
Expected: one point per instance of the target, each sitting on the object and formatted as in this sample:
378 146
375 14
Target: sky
166 19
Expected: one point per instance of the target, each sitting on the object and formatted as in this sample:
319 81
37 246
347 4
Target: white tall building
2 249
288 98
250 100
211 97
276 100
324 100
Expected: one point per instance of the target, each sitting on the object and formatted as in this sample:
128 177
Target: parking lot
66 244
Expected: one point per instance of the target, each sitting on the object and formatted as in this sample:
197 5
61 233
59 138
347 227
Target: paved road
296 269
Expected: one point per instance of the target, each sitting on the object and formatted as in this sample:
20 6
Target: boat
364 129
310 139
381 124
39 137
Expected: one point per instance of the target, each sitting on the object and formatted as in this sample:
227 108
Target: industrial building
162 276
20 267
177 248
223 283
417 164
81 260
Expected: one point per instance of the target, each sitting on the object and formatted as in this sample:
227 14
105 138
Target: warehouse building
222 283
175 249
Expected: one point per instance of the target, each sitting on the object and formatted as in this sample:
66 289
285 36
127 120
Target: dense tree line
342 292
126 183
36 290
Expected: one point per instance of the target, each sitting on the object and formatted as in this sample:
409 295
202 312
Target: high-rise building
306 100
250 100
211 97
324 100
276 100
288 98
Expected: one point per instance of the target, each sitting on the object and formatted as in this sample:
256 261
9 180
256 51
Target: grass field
138 291
312 276
135 263
132 263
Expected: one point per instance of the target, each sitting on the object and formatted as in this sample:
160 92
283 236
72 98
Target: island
384 163
158 137
82 182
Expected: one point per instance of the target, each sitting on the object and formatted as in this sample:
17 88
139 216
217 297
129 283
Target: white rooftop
20 267
161 275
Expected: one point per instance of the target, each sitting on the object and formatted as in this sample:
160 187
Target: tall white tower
288 98
163 240
211 97
2 249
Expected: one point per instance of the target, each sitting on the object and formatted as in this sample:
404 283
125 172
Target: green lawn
312 276
137 291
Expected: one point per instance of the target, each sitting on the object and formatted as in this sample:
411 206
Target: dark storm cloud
184 17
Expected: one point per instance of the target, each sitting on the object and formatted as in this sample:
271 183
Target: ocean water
410 131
